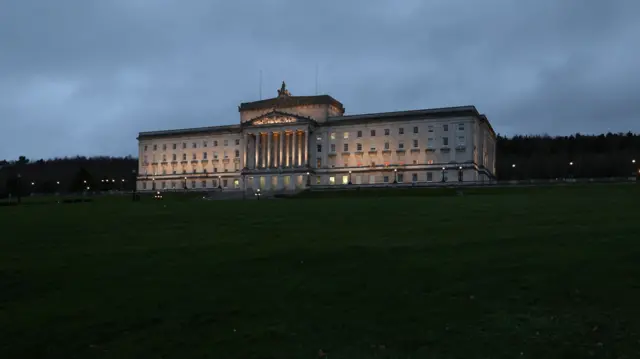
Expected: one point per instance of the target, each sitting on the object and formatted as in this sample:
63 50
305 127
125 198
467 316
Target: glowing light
57 182
33 183
570 163
633 161
513 165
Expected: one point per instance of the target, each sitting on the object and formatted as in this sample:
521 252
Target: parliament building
294 142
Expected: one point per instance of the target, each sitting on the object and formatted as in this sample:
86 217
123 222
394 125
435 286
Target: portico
276 148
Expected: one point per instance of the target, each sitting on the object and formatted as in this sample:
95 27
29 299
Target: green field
513 273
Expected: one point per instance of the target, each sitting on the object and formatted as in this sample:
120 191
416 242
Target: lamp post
460 174
350 177
443 173
633 168
220 183
571 169
185 184
513 171
308 180
153 183
395 176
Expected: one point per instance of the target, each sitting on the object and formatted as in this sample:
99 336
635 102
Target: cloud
84 77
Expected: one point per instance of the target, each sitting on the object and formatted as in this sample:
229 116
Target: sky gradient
83 77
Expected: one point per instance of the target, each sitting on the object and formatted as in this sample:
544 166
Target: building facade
294 142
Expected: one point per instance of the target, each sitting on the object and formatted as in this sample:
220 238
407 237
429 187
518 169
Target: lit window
317 179
318 163
333 136
236 183
318 138
346 147
346 135
345 179
386 132
332 180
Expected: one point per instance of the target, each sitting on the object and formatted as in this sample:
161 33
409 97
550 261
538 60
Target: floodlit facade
293 142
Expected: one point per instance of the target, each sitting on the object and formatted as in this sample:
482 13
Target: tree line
518 157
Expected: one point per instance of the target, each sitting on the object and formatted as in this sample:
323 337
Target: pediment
277 118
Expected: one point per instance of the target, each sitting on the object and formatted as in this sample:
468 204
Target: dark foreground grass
547 274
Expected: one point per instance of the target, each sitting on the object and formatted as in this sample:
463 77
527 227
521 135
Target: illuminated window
333 136
332 180
346 135
236 183
345 179
318 163
318 138
317 179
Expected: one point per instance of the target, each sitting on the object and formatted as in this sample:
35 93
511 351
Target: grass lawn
536 273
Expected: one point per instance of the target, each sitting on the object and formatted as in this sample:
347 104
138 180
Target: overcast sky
85 76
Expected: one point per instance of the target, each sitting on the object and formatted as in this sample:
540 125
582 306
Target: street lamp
395 175
308 180
350 177
258 194
460 174
220 182
571 169
443 172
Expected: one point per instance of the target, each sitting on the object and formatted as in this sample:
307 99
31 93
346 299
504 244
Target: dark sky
85 76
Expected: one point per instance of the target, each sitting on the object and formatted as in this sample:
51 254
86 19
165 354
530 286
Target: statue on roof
283 90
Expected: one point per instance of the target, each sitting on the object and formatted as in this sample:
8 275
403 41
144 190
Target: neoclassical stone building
292 142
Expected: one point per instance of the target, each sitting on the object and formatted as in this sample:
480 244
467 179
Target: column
269 134
246 149
256 162
294 148
280 151
306 148
287 148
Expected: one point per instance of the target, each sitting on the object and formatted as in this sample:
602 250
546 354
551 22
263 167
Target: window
173 184
345 135
204 184
373 148
236 166
319 147
400 177
215 155
386 132
332 180
173 157
401 131
345 179
430 162
204 143
333 147
184 172
174 171
184 145
225 183
225 154
145 148
184 156
461 127
430 128
414 177
445 141
445 176
318 163
346 147
164 147
415 143
359 134
317 179
415 162
204 155
237 142
144 185
445 127
386 145
372 179
415 129
430 142
214 183
226 142
204 170
194 145
164 158
155 147
401 145
461 140
215 169
193 156
385 179
373 133
237 153
429 176
236 183
193 184
359 146
145 159
215 143
333 136
175 146
319 138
